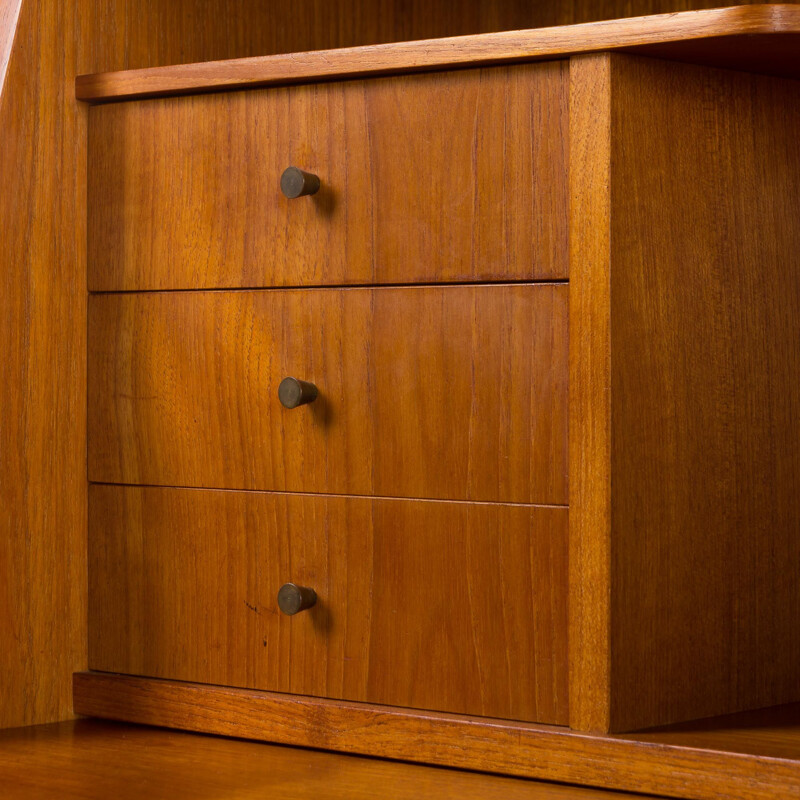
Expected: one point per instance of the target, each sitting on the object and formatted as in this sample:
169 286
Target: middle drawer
454 392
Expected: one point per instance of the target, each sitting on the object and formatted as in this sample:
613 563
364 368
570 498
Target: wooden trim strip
489 48
589 398
533 751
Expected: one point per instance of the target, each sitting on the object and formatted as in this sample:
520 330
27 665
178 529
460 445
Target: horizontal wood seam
328 495
340 286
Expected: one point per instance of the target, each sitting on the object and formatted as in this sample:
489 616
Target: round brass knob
296 183
293 598
293 392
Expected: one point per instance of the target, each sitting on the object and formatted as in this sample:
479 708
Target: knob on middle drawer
296 182
293 392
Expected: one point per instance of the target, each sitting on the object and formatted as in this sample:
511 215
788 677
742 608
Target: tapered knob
293 598
293 392
296 183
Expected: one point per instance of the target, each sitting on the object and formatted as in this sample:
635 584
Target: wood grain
432 392
738 24
95 760
705 447
755 768
42 369
450 177
450 606
687 460
589 400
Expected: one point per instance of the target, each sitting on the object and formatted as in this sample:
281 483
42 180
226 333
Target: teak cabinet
550 309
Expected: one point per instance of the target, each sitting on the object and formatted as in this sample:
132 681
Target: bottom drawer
425 604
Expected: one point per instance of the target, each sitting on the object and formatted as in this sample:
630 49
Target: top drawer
455 176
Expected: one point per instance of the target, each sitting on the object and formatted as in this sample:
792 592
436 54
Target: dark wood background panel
441 392
159 32
446 177
705 396
762 38
450 606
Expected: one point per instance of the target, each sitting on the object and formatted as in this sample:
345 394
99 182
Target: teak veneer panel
734 35
450 606
714 766
685 304
448 177
454 392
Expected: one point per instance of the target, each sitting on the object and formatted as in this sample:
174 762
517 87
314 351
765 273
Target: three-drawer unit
432 408
417 289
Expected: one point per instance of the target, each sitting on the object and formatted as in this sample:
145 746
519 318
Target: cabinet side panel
589 368
705 447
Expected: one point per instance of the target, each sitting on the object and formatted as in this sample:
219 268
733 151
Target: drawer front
454 392
443 606
457 176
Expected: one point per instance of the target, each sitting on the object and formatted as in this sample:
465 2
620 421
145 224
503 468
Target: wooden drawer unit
446 177
448 606
454 392
482 541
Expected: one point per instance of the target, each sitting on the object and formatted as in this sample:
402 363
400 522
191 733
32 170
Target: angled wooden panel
42 369
448 177
450 606
9 16
441 392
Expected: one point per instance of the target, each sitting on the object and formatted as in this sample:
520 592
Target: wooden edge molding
451 52
589 398
512 748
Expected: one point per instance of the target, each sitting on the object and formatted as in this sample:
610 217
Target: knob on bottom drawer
293 598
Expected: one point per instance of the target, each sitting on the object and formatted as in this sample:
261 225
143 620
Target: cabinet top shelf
757 38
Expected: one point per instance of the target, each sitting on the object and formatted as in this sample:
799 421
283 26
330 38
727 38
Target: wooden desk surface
89 759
